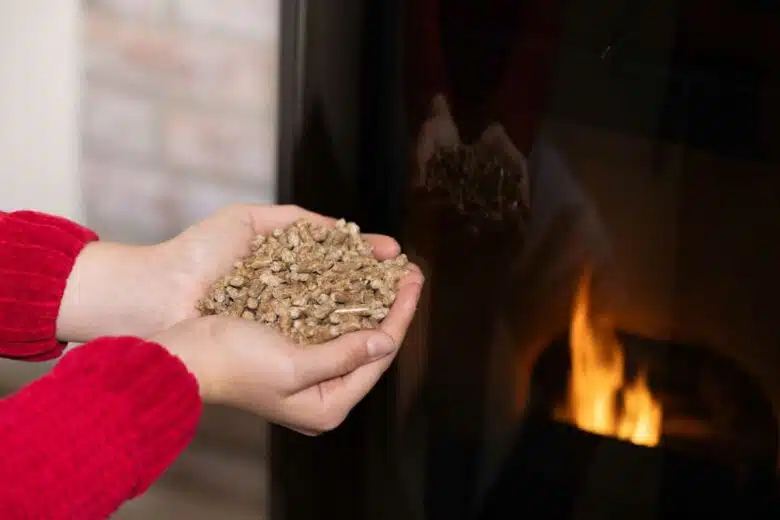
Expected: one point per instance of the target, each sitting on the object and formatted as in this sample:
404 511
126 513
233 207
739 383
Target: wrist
112 290
185 341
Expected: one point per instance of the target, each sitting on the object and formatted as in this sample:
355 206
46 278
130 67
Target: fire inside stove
650 392
618 425
601 399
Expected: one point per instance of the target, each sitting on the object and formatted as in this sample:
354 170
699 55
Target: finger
397 330
324 406
385 247
495 137
339 394
440 107
426 147
317 363
353 386
401 313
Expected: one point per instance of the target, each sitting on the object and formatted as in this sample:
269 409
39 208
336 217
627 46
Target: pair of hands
151 291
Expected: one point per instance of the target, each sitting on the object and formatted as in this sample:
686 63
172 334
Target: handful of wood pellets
312 283
479 183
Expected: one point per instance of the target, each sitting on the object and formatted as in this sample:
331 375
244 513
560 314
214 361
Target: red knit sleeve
95 432
37 253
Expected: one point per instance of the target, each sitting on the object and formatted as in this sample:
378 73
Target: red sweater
111 415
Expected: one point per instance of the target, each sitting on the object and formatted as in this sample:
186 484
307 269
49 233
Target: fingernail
380 345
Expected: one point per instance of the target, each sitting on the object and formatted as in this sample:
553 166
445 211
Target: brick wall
179 119
179 111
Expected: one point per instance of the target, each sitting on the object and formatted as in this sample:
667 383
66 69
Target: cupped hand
151 291
207 250
117 289
310 389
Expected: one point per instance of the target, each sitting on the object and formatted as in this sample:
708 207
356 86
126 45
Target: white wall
40 47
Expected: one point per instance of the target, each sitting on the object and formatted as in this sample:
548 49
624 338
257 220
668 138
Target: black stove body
646 134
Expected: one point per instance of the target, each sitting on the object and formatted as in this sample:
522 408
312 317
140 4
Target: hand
117 289
310 389
438 131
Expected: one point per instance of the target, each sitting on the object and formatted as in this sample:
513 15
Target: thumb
341 356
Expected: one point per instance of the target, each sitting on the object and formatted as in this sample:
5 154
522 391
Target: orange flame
600 400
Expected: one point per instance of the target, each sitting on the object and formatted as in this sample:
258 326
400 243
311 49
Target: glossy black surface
557 472
649 134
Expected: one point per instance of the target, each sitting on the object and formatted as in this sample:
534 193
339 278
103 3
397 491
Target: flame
600 400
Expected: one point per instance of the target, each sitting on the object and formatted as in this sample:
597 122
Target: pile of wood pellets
312 283
478 183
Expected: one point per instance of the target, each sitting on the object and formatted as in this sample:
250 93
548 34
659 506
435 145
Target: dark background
667 113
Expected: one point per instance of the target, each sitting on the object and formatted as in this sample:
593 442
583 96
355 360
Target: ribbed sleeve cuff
98 430
37 253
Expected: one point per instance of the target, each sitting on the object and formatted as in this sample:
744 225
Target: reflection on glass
547 139
551 140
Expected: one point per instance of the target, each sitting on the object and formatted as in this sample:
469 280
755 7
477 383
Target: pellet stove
592 189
